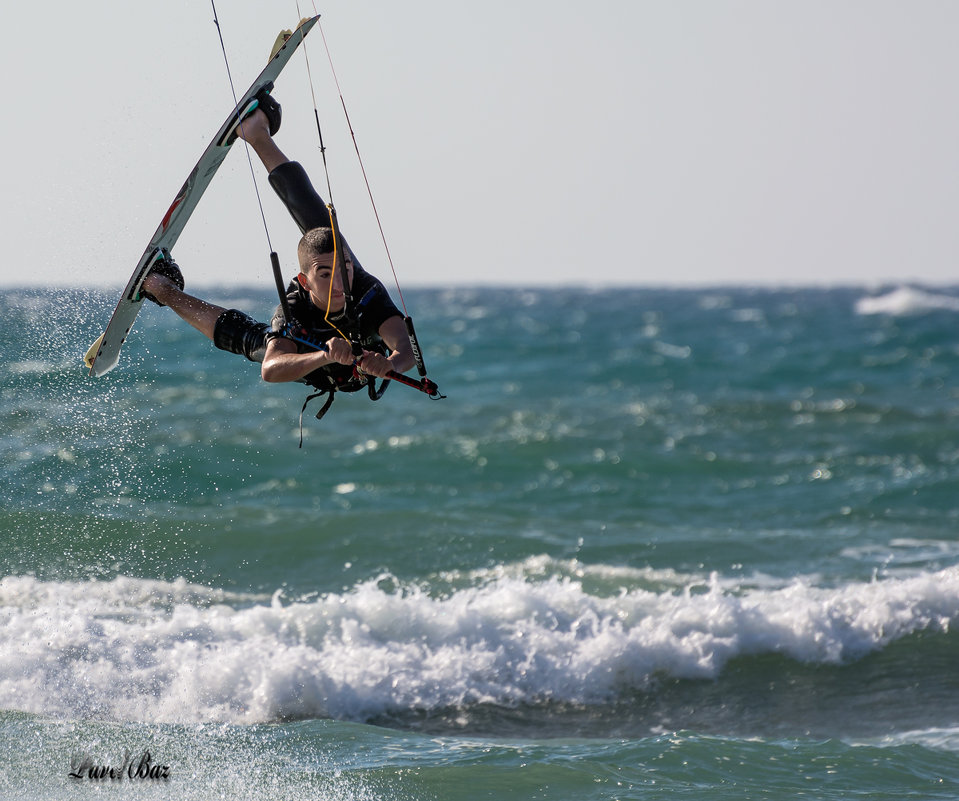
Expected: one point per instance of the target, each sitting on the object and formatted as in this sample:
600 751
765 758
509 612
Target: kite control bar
424 385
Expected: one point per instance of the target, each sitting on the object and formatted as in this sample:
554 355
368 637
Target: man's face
317 275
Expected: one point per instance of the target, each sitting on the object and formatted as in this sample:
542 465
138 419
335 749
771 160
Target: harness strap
374 392
323 410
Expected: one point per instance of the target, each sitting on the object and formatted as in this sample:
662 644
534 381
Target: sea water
654 544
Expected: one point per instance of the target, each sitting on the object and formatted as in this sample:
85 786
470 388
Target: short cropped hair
317 242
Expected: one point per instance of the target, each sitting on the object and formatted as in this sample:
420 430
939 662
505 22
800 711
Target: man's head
316 253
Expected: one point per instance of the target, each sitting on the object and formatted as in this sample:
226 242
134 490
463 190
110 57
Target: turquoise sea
655 544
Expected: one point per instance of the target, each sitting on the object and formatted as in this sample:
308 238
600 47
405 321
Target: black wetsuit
237 332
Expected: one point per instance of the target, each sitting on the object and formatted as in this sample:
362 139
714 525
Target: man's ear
302 279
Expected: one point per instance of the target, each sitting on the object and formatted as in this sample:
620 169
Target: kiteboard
104 354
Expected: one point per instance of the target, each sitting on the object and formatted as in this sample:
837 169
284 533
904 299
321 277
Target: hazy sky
523 142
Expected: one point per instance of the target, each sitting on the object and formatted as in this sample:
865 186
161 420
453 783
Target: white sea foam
132 649
906 300
937 738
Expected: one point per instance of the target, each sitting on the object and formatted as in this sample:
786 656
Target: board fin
282 37
280 41
91 354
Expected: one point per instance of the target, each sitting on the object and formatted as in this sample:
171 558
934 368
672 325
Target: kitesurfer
317 299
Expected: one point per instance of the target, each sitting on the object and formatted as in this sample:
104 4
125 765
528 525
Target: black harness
337 378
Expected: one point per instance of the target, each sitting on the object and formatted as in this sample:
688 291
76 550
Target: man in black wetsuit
316 298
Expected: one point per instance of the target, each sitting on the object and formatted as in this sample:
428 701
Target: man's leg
229 329
288 178
255 129
198 313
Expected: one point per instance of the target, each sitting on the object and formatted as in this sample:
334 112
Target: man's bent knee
239 333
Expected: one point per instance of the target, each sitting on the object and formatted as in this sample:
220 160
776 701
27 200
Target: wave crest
905 301
130 649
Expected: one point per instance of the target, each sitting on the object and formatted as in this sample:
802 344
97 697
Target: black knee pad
239 333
